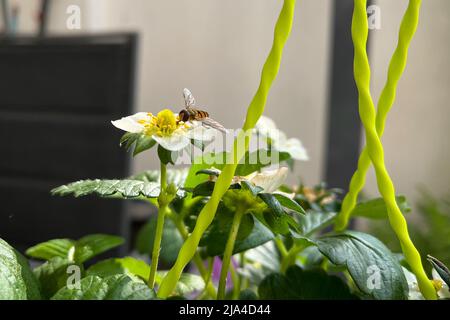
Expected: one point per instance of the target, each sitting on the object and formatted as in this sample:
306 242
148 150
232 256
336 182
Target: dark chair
57 97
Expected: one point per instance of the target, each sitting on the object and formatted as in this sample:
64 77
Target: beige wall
417 133
217 48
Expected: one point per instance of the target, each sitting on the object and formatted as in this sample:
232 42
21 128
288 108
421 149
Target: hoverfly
190 113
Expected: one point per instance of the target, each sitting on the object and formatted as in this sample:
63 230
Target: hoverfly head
184 115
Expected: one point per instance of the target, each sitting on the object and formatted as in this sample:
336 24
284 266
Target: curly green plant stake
396 67
375 148
255 110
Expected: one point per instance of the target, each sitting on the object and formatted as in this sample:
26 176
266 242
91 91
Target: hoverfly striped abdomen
191 114
200 114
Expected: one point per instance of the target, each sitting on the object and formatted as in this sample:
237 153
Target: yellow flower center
437 284
163 124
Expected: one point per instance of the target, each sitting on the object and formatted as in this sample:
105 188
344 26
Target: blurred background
138 55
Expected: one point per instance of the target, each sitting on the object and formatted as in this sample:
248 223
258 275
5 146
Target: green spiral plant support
375 148
240 146
396 67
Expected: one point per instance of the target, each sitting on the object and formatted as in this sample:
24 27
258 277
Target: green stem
281 247
254 111
236 282
159 226
396 67
228 253
243 279
209 271
163 177
325 264
242 260
290 257
376 152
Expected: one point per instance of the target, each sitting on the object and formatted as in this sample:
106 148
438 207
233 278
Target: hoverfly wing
189 99
208 122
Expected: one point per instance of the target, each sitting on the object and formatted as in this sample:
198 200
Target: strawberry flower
441 287
267 128
165 128
269 180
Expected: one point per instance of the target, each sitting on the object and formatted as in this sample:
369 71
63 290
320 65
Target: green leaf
248 294
256 160
52 275
376 208
51 249
275 287
313 221
125 189
260 262
170 244
251 234
316 284
129 139
210 172
167 156
17 281
75 251
275 217
276 222
175 176
133 267
272 203
372 266
117 287
312 258
188 283
304 285
108 188
122 287
62 253
289 203
203 189
128 265
95 244
259 235
441 269
141 142
253 189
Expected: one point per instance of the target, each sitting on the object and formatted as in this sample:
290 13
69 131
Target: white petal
269 180
265 123
266 127
414 292
130 123
201 133
294 147
444 292
174 142
410 277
